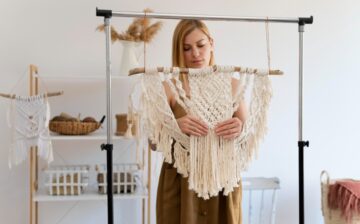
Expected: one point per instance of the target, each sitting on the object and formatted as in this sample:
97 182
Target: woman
193 47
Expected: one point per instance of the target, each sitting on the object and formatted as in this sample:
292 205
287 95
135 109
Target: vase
130 56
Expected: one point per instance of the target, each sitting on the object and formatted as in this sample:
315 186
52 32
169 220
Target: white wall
60 37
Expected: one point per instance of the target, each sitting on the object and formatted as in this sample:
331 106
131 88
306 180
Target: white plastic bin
67 180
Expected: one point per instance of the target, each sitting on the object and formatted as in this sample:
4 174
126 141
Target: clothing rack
214 67
108 14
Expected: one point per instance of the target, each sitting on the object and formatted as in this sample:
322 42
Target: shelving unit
38 193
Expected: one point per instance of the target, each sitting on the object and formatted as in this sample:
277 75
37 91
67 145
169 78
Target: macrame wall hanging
28 118
211 163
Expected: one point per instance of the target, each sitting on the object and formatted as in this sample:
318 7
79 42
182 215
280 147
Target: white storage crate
126 178
67 180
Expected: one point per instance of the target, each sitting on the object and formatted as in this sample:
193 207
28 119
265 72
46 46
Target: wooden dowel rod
186 70
50 94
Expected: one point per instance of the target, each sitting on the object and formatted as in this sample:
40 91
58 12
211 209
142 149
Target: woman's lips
197 62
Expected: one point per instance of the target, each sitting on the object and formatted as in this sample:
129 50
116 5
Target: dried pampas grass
139 30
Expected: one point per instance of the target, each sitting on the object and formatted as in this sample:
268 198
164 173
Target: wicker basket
67 180
332 216
73 127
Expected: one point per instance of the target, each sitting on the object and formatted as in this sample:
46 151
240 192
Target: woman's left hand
230 128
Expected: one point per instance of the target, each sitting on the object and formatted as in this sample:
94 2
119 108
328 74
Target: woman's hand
191 125
230 128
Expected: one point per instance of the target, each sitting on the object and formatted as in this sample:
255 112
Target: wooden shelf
88 195
92 136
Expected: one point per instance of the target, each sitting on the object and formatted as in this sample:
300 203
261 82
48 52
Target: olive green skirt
176 204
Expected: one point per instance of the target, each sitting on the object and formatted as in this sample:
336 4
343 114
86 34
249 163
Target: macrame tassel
128 133
254 128
212 165
214 143
130 119
200 167
181 159
229 163
165 145
261 100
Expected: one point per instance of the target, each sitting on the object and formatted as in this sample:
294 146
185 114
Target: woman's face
197 49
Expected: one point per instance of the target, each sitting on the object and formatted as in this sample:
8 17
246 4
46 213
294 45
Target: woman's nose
195 52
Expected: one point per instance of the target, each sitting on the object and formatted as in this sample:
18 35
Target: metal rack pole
301 143
109 146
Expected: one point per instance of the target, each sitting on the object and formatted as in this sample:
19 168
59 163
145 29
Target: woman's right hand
191 125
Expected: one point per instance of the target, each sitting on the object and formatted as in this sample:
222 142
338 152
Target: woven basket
73 127
332 216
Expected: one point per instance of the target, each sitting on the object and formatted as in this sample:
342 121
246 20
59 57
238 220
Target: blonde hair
184 28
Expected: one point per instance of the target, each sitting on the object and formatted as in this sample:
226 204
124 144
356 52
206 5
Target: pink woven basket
332 216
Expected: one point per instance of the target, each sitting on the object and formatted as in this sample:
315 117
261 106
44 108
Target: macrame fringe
212 165
181 156
255 127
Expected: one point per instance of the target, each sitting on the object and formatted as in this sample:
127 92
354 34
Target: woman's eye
200 46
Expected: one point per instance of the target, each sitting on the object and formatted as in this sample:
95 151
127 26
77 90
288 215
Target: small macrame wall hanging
28 118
